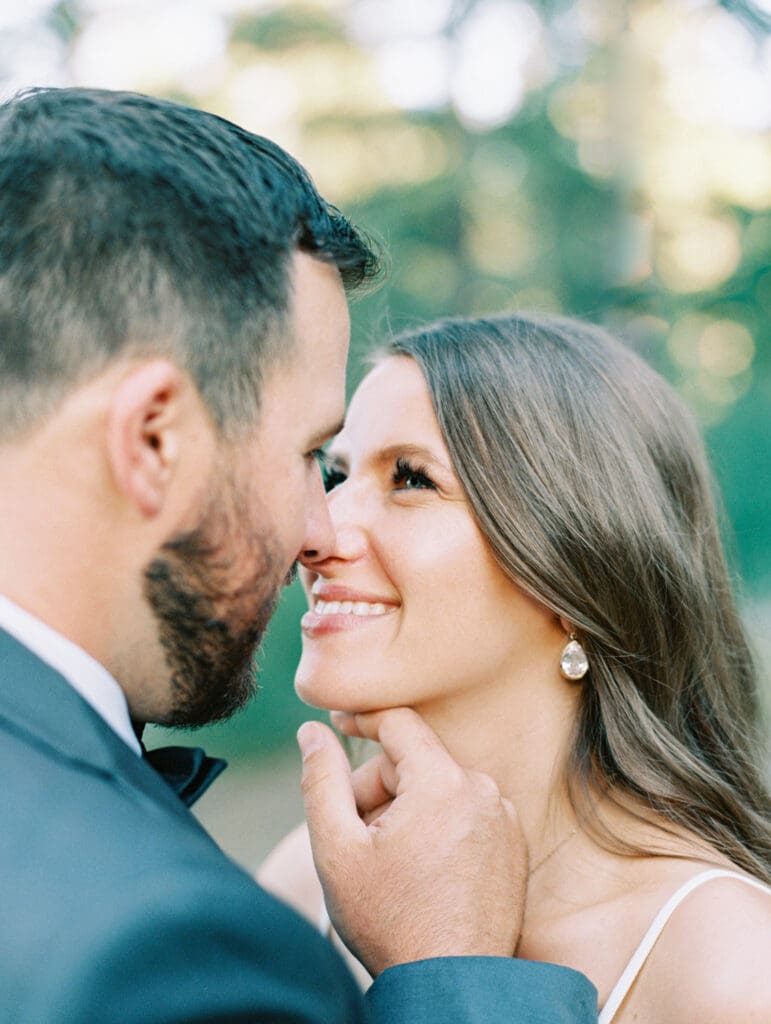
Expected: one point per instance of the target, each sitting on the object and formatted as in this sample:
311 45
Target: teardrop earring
574 663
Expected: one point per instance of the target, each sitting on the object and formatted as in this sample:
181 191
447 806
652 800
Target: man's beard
212 591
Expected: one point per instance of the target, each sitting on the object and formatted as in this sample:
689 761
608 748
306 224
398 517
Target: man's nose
319 540
348 543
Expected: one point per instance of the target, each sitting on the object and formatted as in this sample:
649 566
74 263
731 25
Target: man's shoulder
135 912
62 805
75 836
70 829
192 942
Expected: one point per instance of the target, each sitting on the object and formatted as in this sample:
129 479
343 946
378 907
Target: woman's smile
335 608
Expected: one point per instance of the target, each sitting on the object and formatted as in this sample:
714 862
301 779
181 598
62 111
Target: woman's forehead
391 406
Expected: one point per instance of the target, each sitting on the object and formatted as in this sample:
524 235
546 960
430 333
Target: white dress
648 941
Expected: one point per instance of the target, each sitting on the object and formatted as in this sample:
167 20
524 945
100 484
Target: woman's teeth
349 608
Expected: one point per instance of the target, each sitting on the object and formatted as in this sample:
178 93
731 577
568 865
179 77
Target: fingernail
309 739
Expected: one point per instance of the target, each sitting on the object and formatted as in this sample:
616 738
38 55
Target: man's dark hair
133 225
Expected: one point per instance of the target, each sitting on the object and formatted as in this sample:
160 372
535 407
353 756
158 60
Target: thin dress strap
640 955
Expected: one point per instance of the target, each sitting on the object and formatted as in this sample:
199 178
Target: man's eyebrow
329 432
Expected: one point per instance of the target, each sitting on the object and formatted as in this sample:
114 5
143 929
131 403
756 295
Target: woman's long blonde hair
589 480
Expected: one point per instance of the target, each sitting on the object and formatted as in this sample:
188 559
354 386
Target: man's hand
418 858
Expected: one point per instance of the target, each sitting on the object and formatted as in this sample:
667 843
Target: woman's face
410 607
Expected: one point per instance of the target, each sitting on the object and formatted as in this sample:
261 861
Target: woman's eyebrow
415 451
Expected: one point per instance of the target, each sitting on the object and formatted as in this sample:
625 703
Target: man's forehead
317 294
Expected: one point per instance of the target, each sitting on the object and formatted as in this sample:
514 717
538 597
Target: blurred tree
605 159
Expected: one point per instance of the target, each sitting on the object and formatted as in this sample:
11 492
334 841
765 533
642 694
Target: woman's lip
313 625
334 592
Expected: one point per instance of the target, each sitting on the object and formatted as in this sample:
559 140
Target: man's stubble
212 591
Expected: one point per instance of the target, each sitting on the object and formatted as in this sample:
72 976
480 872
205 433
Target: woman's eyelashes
405 475
331 473
408 477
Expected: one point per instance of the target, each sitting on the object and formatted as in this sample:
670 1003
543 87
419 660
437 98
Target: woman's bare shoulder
288 873
711 963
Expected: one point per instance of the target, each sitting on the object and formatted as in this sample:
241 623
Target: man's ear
145 420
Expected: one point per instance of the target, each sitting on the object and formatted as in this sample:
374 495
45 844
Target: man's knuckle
312 780
487 786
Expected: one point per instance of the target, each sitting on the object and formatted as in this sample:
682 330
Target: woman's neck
519 731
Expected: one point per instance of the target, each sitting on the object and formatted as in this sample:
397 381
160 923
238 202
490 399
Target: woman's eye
411 478
331 475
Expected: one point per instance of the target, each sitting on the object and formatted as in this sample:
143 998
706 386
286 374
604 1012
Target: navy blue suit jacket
116 906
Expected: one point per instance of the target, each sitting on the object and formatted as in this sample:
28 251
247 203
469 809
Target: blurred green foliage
616 189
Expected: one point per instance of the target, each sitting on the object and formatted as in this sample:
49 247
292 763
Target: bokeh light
607 160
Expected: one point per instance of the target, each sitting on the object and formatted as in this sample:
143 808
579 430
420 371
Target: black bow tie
187 770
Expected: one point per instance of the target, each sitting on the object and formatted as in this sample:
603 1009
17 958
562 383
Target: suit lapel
38 702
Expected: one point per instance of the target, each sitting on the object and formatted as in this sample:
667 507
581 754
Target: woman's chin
319 690
346 684
329 695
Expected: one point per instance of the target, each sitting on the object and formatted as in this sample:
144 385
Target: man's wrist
457 990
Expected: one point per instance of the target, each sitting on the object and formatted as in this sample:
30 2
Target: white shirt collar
85 674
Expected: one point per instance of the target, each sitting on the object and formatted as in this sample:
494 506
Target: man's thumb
330 805
310 738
